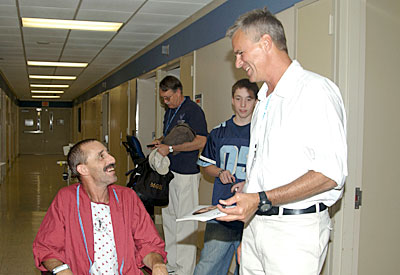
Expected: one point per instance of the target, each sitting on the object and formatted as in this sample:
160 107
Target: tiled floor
25 195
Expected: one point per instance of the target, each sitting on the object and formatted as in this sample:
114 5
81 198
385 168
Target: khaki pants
285 244
181 237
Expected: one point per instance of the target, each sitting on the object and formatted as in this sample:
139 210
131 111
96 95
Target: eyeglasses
167 98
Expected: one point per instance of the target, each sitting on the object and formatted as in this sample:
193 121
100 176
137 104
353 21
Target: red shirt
60 235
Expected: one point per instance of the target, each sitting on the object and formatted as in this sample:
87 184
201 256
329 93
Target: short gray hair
257 23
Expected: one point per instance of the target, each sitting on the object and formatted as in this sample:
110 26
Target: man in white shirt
297 162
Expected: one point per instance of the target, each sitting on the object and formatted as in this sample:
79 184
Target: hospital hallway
27 191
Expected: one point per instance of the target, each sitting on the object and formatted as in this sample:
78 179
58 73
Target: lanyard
83 231
257 135
172 118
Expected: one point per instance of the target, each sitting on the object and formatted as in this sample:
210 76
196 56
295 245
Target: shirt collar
285 85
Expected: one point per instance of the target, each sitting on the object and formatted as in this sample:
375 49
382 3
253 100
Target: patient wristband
60 268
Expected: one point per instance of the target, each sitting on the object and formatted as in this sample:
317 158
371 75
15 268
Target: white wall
380 223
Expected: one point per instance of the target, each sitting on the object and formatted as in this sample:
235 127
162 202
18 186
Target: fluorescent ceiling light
70 24
52 77
49 85
45 96
57 64
46 92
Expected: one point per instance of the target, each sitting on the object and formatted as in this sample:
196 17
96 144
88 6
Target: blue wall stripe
200 33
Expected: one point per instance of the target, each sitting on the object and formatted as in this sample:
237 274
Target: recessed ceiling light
52 77
45 96
46 92
49 85
70 24
56 64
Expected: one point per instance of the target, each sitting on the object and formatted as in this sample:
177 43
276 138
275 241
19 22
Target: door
104 119
118 128
314 49
44 130
146 112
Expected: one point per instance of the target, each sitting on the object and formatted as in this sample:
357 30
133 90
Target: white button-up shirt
300 126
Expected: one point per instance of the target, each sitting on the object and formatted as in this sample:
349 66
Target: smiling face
250 56
243 103
99 166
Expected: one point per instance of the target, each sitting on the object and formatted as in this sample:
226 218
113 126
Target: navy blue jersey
193 115
227 147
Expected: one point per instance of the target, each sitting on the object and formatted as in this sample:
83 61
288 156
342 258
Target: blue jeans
220 244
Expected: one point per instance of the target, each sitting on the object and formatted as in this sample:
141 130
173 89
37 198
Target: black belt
275 210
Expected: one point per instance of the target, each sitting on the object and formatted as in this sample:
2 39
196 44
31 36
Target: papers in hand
203 213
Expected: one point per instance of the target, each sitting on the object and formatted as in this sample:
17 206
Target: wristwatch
265 204
170 149
60 268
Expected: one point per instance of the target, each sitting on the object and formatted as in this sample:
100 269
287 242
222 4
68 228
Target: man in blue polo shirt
181 238
224 157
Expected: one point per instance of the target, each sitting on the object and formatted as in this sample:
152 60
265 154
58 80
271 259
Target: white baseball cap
158 162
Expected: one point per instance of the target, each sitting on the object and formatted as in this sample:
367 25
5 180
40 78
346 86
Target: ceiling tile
78 52
42 56
69 71
49 33
10 44
131 36
171 8
8 2
44 12
6 21
38 51
41 70
105 36
8 10
49 3
160 19
153 27
99 15
86 44
10 31
114 5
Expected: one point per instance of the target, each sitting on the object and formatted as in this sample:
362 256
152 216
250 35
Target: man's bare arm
308 185
224 175
50 264
155 262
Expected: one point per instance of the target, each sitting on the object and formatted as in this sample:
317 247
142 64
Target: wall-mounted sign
199 99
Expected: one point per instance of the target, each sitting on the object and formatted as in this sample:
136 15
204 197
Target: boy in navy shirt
224 157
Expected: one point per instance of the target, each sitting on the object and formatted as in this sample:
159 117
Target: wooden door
118 115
